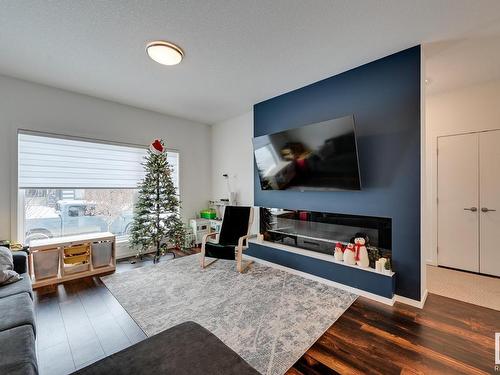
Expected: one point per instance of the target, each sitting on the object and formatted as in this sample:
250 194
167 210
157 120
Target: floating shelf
315 254
324 266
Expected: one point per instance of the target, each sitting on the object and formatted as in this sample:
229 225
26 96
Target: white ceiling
461 62
237 52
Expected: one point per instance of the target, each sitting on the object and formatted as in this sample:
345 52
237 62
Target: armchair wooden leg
205 265
202 258
202 252
239 261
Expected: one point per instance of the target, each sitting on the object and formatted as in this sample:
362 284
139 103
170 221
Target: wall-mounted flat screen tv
320 156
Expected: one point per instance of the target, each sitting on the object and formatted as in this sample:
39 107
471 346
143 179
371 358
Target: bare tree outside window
110 204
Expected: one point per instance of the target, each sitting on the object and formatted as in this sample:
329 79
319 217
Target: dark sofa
17 323
185 349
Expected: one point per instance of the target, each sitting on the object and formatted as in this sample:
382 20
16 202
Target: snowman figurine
361 252
350 254
339 252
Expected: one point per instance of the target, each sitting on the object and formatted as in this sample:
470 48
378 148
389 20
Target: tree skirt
268 316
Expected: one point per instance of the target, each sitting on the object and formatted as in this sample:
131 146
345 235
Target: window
72 186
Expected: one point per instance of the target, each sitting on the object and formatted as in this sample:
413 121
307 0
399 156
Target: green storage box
208 214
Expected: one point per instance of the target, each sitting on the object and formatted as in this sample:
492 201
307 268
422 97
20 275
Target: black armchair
235 231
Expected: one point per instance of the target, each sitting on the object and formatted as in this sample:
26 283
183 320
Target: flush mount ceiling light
164 53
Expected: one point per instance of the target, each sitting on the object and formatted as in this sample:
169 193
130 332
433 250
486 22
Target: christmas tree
157 211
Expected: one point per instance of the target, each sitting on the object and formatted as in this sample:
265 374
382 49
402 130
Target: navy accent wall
384 97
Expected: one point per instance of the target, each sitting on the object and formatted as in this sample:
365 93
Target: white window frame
123 249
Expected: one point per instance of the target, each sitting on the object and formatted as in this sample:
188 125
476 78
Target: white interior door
458 196
489 182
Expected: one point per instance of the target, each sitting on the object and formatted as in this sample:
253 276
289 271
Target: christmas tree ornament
156 222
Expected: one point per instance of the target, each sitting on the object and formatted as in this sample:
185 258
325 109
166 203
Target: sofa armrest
20 262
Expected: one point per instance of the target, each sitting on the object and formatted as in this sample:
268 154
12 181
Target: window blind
52 162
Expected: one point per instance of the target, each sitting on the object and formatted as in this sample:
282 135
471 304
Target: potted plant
387 267
373 255
266 218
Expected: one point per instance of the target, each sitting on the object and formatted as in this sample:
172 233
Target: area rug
268 316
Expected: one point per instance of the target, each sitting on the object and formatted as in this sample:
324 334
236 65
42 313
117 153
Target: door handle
484 209
473 209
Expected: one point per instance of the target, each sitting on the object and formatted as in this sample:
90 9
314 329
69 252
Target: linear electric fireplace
320 231
305 241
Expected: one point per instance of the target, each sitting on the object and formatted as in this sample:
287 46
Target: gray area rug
268 316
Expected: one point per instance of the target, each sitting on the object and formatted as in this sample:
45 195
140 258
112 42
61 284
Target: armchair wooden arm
206 236
243 238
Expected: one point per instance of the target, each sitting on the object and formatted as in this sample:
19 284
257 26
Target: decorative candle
380 264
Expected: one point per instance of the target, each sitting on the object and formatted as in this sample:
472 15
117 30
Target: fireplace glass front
320 231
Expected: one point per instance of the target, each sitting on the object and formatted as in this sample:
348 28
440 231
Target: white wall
469 109
25 105
232 153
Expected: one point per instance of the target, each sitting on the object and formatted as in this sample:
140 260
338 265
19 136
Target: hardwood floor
446 337
80 322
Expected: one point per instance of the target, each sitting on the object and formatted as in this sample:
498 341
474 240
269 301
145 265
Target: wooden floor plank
445 341
307 365
80 322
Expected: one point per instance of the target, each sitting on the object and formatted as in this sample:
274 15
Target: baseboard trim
131 254
408 301
126 255
359 292
424 297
